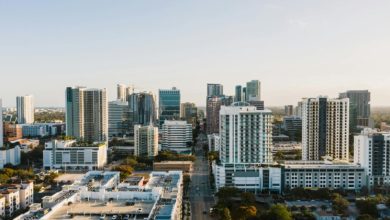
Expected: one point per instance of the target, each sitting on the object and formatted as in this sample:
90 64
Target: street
201 196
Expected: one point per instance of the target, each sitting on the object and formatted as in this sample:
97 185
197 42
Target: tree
278 212
340 205
248 198
365 217
247 212
226 214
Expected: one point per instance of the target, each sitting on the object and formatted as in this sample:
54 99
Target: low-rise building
10 155
15 197
101 194
323 174
73 155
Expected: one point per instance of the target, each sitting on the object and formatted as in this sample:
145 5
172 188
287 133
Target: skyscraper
325 128
213 107
118 118
169 104
253 91
359 108
246 134
239 94
25 109
1 124
189 112
87 114
145 140
123 92
288 110
142 108
214 89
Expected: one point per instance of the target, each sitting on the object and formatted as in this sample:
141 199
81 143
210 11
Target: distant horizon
295 48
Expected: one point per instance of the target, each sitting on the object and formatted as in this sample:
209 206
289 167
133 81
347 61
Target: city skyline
294 51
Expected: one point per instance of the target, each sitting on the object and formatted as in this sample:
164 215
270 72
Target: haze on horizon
295 48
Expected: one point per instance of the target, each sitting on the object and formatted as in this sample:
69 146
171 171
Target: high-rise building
121 92
293 127
118 118
145 140
239 94
298 109
177 136
25 109
253 90
372 152
245 134
258 104
142 108
213 107
359 108
189 112
169 104
325 128
1 124
288 110
214 90
87 114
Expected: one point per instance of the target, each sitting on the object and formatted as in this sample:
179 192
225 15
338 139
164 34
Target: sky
300 48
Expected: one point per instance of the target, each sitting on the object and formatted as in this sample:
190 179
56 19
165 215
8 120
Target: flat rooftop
92 209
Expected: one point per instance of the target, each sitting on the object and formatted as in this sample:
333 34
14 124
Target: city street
201 196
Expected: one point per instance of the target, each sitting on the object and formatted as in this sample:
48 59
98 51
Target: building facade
118 118
325 128
359 108
292 125
288 110
177 136
73 155
87 114
142 108
189 113
246 134
214 89
10 155
239 94
169 104
25 109
253 90
372 151
212 112
145 140
322 174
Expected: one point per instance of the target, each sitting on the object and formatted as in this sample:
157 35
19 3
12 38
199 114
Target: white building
15 197
372 151
248 177
323 174
325 128
246 134
87 114
101 193
177 136
25 109
214 142
145 140
72 155
10 155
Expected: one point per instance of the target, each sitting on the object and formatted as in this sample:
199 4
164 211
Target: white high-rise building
25 109
325 128
121 92
1 124
145 140
177 136
372 152
87 114
245 134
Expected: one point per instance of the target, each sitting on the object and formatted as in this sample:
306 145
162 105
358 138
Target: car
114 217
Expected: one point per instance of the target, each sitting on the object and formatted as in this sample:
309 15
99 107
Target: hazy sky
295 48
